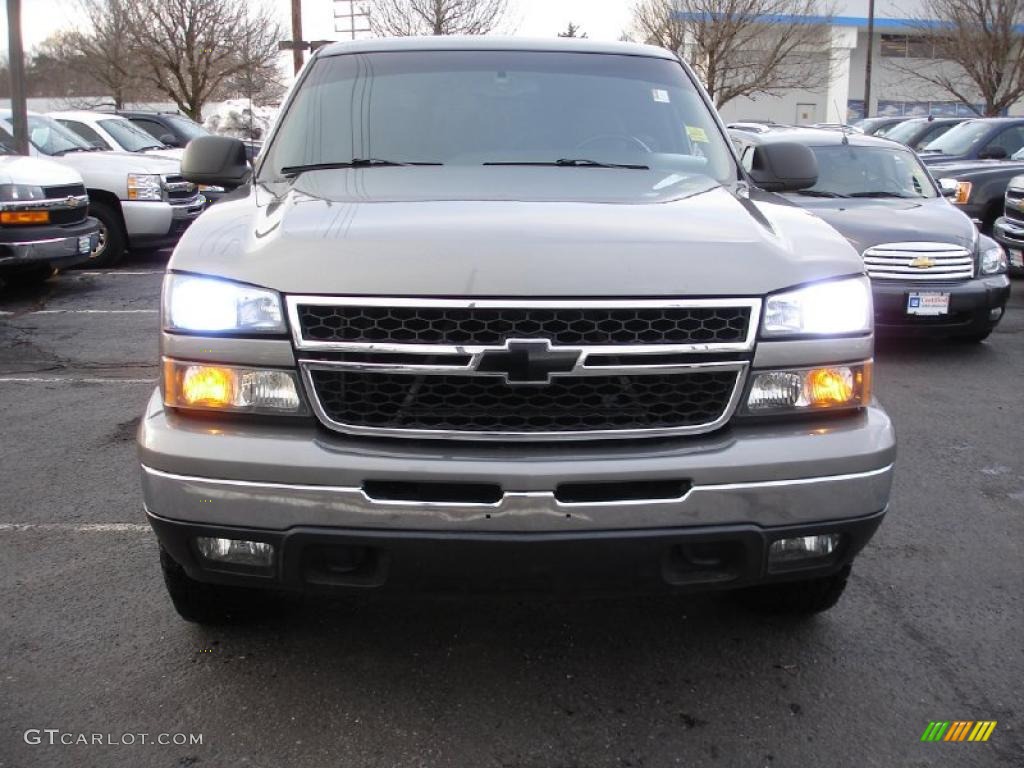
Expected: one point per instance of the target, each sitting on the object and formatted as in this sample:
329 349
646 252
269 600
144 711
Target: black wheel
213 603
112 241
29 278
797 597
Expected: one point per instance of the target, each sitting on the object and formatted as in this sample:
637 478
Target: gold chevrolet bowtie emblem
922 262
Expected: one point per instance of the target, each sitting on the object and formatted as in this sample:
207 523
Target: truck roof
489 43
812 137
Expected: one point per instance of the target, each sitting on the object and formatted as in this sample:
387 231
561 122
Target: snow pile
233 118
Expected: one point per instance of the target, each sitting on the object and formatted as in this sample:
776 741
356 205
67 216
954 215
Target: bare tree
981 45
104 50
743 47
191 49
436 17
572 30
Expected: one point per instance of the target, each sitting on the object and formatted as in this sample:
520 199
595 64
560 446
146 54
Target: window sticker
660 95
696 134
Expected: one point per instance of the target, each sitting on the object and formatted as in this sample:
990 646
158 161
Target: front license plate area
928 303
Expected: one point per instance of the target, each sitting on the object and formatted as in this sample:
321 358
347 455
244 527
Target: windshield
187 128
129 136
904 132
959 140
497 107
52 138
851 171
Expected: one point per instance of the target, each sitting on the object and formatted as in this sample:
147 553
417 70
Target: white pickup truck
44 221
141 201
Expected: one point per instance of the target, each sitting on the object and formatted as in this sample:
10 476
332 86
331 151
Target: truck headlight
833 307
214 387
195 304
824 387
144 186
20 193
993 260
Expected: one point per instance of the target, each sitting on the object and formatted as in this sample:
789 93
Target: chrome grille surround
919 261
419 359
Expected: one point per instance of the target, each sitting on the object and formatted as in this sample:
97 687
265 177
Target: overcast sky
600 19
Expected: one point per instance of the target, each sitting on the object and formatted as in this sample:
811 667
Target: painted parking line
74 527
81 312
70 380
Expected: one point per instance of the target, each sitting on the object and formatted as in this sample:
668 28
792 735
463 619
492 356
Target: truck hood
129 162
869 222
493 231
975 168
19 169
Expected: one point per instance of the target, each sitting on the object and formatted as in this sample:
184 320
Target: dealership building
896 49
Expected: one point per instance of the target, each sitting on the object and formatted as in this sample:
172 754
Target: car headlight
210 188
20 193
196 304
834 307
215 387
144 186
993 260
963 192
827 387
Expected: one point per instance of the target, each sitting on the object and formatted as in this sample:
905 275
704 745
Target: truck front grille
517 369
178 189
482 404
496 325
919 261
1015 204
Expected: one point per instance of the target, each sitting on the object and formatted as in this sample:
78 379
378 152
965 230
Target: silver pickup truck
508 314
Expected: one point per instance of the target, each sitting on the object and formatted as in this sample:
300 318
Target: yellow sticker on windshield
696 134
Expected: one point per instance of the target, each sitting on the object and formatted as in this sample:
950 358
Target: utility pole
297 34
19 119
867 66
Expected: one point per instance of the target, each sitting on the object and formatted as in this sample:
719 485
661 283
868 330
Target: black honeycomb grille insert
490 326
487 404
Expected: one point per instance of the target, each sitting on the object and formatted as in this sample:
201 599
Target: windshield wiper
356 162
76 149
574 162
882 193
819 193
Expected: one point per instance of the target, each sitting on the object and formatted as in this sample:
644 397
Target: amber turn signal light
24 217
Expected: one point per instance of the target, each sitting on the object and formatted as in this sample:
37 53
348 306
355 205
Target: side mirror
784 167
948 187
169 139
993 153
215 160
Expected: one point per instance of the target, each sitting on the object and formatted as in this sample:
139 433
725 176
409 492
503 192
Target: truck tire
213 604
112 241
805 597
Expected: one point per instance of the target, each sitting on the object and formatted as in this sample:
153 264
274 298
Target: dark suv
990 138
176 130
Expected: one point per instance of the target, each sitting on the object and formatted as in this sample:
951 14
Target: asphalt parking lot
929 629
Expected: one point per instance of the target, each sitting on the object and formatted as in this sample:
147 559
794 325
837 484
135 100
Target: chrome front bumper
51 249
278 477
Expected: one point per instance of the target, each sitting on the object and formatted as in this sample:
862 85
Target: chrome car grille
1015 204
919 261
178 189
523 369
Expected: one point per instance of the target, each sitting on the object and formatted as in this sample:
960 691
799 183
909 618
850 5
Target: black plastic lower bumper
971 307
676 559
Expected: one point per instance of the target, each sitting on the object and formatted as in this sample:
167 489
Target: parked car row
129 166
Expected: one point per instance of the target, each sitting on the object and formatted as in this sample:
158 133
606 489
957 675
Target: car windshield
187 128
852 171
52 138
959 140
129 136
574 110
904 132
